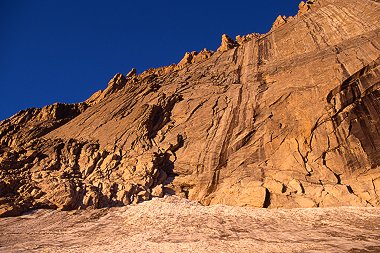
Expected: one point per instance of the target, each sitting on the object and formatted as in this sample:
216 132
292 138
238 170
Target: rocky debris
227 43
173 224
285 119
71 174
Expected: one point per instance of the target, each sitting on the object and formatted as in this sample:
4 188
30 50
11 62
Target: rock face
285 119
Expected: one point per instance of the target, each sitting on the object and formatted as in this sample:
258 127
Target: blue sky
63 51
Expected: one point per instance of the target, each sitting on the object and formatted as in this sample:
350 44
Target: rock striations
290 118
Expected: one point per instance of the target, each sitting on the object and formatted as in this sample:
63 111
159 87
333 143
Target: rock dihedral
284 119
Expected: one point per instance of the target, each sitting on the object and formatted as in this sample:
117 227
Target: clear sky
65 50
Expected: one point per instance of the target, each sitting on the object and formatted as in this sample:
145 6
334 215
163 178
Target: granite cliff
284 119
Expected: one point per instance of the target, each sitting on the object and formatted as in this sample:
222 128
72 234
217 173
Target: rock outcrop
284 119
303 8
243 39
227 43
193 57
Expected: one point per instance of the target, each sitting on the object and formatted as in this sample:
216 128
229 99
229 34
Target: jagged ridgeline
284 119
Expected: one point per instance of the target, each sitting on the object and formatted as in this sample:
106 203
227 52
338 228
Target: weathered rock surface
284 119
